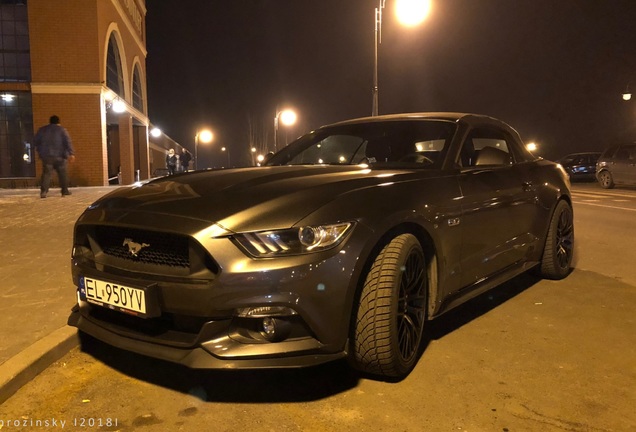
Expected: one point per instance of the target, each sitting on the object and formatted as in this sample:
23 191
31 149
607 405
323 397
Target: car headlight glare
293 241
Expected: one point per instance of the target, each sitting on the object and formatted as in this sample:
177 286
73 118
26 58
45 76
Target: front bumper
217 353
199 320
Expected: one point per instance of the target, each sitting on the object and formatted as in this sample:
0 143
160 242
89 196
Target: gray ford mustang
342 245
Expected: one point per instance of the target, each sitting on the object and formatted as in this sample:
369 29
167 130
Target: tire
559 243
605 179
392 310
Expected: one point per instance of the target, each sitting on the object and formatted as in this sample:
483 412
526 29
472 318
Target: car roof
468 119
450 116
582 154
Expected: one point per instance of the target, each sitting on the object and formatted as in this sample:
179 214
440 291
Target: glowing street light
224 149
628 94
253 154
287 117
409 13
155 132
205 136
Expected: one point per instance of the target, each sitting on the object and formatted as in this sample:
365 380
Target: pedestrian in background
171 162
55 149
185 159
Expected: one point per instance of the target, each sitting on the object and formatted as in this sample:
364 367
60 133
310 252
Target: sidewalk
36 291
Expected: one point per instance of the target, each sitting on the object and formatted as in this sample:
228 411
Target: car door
623 164
619 165
591 163
498 205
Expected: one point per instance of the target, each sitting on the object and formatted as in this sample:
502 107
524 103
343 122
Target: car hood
247 199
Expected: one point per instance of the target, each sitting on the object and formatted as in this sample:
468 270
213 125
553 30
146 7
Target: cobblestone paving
36 292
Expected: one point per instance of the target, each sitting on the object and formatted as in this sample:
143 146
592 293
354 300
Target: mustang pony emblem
134 248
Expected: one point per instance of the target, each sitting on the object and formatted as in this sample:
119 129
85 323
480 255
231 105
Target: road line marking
607 206
603 193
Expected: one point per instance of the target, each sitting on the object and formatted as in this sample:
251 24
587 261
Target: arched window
114 77
137 93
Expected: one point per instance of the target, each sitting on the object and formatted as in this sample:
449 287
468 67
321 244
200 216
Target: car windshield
416 143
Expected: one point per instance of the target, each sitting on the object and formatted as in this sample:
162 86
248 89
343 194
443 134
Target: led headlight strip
293 241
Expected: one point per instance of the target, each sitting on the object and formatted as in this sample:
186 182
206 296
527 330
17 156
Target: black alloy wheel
392 310
559 244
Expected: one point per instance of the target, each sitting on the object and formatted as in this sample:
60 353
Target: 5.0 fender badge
134 248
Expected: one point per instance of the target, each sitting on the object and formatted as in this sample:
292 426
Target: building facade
84 61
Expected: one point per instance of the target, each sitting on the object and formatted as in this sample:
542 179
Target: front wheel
605 180
392 309
559 244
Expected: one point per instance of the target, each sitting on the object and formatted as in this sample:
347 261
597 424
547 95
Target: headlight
293 241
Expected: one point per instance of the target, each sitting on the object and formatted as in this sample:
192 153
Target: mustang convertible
343 244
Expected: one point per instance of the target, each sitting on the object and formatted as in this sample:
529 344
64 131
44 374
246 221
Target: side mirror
267 158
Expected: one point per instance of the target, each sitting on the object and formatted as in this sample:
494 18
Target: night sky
553 69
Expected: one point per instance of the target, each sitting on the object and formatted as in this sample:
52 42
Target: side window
622 153
485 147
567 160
610 152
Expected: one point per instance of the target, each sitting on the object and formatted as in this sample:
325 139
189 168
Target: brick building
84 61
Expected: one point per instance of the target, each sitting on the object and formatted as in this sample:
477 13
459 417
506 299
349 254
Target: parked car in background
617 166
580 166
342 246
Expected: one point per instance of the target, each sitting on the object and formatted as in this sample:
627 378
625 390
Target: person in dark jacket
55 149
185 159
171 162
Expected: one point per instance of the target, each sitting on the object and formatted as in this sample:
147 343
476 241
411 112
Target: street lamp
205 136
628 94
229 164
253 150
410 13
287 117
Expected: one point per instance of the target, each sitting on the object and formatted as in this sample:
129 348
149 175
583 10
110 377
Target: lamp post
224 149
410 13
205 136
287 117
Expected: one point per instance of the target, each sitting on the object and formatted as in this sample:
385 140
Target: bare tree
258 135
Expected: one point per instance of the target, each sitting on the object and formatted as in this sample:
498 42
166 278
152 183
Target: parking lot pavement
35 280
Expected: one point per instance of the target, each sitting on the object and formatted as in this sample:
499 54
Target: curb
23 367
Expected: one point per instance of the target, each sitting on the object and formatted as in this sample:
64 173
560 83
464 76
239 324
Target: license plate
124 298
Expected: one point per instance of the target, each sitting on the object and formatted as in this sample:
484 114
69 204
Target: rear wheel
392 310
559 244
605 179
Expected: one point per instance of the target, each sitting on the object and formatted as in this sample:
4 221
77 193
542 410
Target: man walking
54 146
185 159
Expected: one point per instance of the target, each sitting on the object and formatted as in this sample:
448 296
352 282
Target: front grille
149 247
